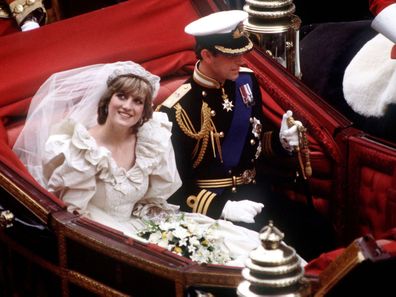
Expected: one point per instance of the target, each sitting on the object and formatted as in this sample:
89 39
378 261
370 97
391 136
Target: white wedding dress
88 180
57 149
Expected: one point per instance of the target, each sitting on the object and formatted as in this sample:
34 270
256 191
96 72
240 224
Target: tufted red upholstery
27 59
351 182
371 199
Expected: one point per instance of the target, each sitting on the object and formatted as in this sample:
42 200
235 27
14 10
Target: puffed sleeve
75 188
69 175
165 179
163 176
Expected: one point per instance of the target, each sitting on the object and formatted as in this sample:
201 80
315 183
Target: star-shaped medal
227 105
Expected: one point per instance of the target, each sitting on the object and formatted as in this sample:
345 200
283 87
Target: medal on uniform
247 95
227 104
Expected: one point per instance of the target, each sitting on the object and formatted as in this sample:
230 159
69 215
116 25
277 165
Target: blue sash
236 136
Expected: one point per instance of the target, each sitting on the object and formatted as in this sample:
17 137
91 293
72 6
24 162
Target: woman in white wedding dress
92 138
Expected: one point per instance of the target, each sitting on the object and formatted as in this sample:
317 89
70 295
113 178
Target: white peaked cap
222 31
216 23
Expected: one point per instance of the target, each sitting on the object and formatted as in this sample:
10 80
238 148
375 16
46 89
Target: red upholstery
27 59
8 26
156 40
376 6
316 266
30 57
322 181
83 40
371 199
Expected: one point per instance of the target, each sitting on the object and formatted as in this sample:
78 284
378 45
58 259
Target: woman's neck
110 135
120 142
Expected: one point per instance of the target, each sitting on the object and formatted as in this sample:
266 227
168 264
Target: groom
218 131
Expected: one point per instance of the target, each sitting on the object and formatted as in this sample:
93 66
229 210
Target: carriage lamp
273 269
274 28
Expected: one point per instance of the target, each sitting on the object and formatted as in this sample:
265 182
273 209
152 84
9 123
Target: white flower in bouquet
158 237
198 242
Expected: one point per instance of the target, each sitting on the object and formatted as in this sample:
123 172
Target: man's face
221 67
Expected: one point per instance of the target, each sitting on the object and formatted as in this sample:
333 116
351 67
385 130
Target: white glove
29 25
241 211
289 136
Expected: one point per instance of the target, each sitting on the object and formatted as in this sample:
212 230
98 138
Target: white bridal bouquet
185 237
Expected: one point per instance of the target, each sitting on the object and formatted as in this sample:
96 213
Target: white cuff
29 25
385 22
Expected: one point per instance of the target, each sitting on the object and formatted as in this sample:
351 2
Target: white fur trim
369 83
385 22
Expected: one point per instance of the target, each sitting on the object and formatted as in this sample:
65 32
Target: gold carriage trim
245 178
201 202
4 12
22 8
234 51
267 144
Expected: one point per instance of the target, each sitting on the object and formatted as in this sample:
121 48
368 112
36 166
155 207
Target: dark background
318 11
310 11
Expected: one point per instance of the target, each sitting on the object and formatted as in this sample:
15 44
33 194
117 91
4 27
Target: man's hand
289 135
241 211
30 25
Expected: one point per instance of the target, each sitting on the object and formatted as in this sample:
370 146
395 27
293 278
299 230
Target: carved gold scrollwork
6 219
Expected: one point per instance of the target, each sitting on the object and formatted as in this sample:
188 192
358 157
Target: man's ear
206 55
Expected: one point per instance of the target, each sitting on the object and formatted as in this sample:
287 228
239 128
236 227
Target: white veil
72 94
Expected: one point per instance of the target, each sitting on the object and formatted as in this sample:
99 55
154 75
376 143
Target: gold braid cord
302 149
187 127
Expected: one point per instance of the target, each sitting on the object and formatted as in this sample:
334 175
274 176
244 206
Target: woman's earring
106 110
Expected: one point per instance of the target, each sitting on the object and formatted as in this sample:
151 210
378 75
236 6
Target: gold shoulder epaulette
245 69
177 95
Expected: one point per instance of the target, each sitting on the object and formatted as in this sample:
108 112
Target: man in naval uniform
218 132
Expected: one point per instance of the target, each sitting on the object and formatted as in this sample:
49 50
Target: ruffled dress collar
152 141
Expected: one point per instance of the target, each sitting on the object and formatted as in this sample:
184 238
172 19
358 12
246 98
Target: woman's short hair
130 85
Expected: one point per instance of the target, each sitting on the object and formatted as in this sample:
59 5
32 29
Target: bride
91 138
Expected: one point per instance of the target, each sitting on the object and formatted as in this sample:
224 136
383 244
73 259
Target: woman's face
125 110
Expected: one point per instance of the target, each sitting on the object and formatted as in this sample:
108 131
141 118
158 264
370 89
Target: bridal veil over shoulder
72 94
